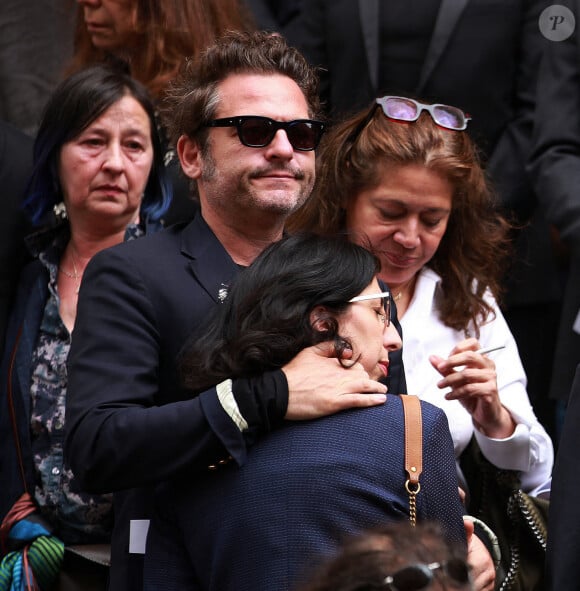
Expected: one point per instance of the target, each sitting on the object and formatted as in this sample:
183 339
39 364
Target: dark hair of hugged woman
265 319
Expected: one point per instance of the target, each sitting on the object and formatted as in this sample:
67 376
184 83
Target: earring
59 210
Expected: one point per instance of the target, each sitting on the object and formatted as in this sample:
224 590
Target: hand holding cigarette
472 381
487 350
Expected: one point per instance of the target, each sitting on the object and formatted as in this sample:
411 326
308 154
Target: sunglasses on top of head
400 108
406 109
257 132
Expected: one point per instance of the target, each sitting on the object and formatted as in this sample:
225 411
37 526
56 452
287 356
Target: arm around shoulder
128 423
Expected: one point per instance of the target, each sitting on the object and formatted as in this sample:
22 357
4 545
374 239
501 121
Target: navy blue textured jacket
265 524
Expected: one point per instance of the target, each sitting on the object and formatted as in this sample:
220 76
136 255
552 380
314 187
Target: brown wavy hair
473 253
193 98
165 33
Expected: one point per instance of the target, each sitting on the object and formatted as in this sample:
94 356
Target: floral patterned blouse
78 517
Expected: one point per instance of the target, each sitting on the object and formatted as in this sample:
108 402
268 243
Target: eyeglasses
406 109
257 132
385 297
419 576
401 108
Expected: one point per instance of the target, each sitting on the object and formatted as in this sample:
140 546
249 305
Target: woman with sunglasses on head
263 525
405 178
394 557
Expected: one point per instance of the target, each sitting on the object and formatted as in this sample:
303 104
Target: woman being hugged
405 177
98 162
310 482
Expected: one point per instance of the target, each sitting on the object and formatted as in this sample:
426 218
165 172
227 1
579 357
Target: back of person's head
397 551
265 319
73 106
162 34
194 97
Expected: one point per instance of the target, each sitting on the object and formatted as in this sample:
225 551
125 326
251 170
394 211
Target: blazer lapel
210 263
449 13
369 21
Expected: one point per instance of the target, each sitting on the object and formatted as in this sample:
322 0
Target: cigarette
487 350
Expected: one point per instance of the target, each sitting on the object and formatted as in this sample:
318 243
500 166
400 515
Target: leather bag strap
413 450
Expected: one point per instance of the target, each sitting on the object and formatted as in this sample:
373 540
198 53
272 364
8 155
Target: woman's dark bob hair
73 106
265 320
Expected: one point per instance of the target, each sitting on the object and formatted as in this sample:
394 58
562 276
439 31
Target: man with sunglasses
243 120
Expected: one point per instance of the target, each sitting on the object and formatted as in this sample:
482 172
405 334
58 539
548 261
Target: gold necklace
76 275
399 295
68 274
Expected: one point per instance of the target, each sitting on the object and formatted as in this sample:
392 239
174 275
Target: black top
404 31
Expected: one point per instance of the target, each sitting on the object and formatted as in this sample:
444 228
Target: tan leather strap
413 437
413 450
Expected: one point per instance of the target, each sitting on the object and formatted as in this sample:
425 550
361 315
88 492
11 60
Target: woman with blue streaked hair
75 105
98 163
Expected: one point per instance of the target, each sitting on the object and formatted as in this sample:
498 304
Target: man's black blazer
139 302
564 518
555 166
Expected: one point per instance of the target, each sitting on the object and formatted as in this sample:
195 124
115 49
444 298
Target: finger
471 392
470 344
362 385
356 367
458 362
324 349
455 363
345 401
467 376
327 403
440 364
483 582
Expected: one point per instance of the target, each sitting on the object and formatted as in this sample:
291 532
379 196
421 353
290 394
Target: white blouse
529 449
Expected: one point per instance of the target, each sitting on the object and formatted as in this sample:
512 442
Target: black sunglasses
419 576
257 132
